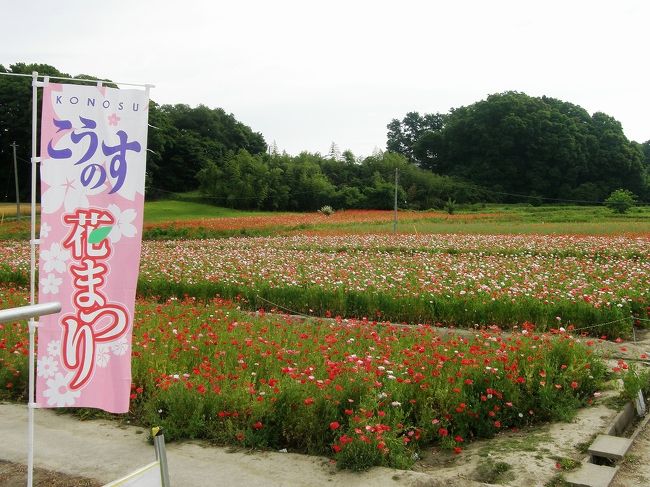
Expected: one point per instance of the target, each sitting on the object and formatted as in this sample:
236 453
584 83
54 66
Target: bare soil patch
15 475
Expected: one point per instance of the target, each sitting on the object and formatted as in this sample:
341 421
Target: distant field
186 219
8 210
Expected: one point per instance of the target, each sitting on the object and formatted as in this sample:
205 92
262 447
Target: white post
395 207
34 160
16 180
32 290
161 454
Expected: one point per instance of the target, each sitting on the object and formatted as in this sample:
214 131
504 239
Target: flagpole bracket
36 241
36 160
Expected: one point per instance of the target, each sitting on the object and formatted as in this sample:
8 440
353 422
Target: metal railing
30 311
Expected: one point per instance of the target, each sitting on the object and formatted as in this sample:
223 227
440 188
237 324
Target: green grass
174 210
522 219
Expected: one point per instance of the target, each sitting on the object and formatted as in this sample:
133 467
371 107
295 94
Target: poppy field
365 375
460 280
364 392
596 283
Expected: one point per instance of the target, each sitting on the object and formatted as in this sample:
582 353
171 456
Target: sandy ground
105 451
15 474
102 451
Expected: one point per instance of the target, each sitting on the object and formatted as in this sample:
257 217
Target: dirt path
98 451
104 451
14 475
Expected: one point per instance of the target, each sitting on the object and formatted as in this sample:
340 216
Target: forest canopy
515 144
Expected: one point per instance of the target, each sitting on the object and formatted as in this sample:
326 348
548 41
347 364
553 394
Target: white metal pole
16 181
32 289
395 207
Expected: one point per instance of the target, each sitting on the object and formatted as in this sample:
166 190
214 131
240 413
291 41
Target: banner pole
32 290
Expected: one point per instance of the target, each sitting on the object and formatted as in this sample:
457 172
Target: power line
565 200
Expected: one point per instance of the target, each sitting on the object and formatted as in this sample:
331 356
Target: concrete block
612 447
590 475
622 420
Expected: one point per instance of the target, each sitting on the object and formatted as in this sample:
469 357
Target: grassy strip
454 311
176 210
434 309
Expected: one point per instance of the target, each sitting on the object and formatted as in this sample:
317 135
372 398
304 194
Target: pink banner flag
93 152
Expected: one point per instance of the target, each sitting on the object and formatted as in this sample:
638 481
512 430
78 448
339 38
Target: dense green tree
190 138
514 144
620 200
16 125
310 181
403 135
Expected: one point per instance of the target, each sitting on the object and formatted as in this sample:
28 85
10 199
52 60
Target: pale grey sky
306 73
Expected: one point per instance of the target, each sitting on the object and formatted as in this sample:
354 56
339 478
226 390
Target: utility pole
16 178
395 218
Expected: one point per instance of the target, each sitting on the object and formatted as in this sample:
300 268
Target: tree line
309 181
509 147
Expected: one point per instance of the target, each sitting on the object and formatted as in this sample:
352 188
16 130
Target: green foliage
566 463
310 181
188 140
456 311
515 144
450 206
620 200
634 381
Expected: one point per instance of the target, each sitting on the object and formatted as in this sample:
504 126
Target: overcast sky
309 73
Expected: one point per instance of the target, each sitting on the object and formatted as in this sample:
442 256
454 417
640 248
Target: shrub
620 200
326 210
450 206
